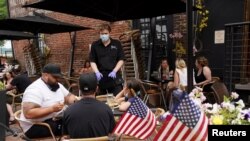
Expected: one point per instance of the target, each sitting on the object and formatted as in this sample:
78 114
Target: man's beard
53 86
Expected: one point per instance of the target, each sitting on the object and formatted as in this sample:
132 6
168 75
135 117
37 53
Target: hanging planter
200 21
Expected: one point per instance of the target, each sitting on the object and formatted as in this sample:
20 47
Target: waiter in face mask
43 100
106 59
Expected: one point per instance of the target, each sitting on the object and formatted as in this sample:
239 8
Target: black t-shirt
107 57
88 118
21 82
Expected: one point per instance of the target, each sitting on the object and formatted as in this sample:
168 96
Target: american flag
139 121
187 122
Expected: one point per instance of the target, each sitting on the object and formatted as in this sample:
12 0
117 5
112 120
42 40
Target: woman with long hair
86 68
203 75
127 95
180 75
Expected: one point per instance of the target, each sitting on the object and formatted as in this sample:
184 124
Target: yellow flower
217 119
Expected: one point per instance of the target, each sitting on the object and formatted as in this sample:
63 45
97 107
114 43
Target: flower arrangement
230 112
179 48
202 16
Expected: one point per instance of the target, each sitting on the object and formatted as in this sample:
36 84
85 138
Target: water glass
110 98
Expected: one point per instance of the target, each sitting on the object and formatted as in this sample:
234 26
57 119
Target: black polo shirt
107 57
88 118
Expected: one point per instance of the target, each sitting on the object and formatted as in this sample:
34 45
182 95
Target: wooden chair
215 79
103 138
150 89
130 138
16 99
208 92
220 90
72 84
17 117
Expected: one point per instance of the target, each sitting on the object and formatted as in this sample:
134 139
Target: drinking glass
110 100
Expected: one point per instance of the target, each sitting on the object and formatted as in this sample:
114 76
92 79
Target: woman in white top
180 75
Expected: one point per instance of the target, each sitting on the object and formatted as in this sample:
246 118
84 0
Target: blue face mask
104 37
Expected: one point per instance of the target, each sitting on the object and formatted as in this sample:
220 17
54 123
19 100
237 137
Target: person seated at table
86 68
123 95
7 78
131 90
16 85
20 81
180 75
88 117
203 74
43 100
164 73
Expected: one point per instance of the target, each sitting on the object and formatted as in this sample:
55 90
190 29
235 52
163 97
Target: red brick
60 43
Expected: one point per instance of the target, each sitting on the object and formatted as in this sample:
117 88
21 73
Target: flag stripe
136 125
196 130
174 132
121 122
139 127
198 136
150 127
178 132
127 123
202 135
170 131
133 125
145 125
165 133
163 127
142 134
183 133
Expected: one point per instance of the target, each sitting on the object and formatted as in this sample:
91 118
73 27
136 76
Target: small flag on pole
186 122
139 121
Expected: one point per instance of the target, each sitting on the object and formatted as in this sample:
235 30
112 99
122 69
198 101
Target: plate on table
113 104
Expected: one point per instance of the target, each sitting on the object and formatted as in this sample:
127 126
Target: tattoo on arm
28 106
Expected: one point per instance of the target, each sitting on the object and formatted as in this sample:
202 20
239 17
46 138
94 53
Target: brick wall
180 25
60 44
18 51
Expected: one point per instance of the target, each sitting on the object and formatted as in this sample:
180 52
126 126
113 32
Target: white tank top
182 76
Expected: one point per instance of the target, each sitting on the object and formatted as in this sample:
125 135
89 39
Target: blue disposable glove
98 75
112 74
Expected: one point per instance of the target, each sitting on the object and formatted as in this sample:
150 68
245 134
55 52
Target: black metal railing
237 54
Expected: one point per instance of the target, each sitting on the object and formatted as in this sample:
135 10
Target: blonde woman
180 75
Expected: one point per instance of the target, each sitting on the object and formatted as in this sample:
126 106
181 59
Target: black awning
14 35
38 24
113 10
